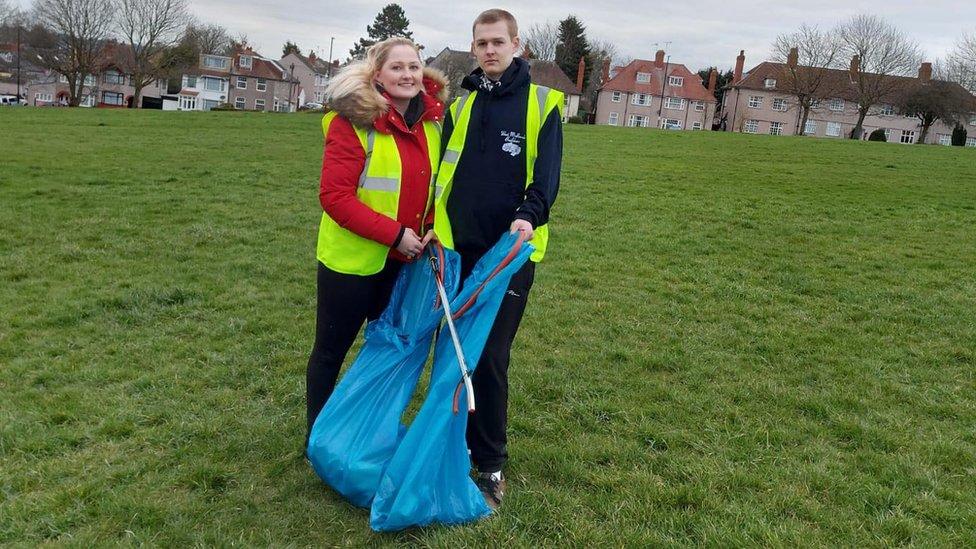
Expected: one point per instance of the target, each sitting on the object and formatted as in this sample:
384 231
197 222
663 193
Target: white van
9 100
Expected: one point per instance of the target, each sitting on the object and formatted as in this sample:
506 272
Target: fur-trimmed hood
353 95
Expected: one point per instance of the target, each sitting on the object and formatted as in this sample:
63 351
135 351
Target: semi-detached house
244 80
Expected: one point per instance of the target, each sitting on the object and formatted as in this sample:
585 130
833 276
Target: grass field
734 340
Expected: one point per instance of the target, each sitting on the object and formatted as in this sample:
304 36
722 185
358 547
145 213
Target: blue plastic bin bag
428 480
358 429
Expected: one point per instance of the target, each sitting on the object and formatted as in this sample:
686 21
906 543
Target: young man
499 172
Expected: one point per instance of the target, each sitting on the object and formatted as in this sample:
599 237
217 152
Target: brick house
758 101
656 93
312 74
244 80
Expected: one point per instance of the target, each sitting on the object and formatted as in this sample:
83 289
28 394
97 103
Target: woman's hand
410 244
429 237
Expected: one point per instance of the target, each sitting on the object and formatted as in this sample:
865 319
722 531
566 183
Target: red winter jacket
344 160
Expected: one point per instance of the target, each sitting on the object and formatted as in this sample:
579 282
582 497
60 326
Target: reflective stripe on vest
379 188
542 101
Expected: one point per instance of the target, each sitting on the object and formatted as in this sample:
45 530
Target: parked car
312 105
11 100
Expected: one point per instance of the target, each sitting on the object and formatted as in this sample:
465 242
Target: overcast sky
700 32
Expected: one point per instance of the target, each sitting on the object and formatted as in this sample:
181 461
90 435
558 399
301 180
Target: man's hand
522 225
410 244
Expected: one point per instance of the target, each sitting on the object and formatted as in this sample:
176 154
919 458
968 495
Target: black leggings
344 302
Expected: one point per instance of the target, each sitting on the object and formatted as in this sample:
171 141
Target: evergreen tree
390 21
571 47
290 47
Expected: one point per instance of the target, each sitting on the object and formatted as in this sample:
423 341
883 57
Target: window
188 103
696 125
262 85
775 128
241 83
612 119
909 115
615 97
245 61
769 83
640 99
675 103
239 103
637 120
972 121
644 77
319 97
676 81
670 124
908 136
213 84
259 104
699 106
112 98
810 128
945 139
63 79
833 129
209 104
971 141
321 80
752 126
836 105
162 84
214 62
43 98
779 104
815 103
887 134
87 101
887 110
755 101
113 77
190 82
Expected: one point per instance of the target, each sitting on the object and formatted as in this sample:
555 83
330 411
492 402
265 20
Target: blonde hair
488 17
360 72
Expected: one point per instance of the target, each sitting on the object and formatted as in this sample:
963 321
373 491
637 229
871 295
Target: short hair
488 17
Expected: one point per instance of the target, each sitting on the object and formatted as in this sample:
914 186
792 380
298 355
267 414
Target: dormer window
643 77
676 81
245 61
770 83
214 62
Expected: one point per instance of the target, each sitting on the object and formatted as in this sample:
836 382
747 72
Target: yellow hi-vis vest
542 101
379 188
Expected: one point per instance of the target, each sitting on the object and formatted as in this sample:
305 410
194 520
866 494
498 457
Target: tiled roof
260 67
548 73
626 81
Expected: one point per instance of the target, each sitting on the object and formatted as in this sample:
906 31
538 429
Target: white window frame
907 137
696 125
210 103
208 79
972 121
615 97
186 82
640 99
116 95
888 135
638 121
677 81
240 103
810 128
833 129
670 124
188 103
669 103
321 80
699 106
643 77
887 110
754 126
613 119
775 128
836 104
241 83
971 141
245 62
262 85
44 98
945 139
755 101
113 77
769 83
780 104
215 62
259 104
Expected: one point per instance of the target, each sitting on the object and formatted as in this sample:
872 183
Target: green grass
735 340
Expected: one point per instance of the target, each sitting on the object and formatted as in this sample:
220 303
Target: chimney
605 73
925 72
740 62
712 79
855 66
793 59
580 73
659 59
311 56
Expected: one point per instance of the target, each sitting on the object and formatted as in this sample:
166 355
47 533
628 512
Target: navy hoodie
489 182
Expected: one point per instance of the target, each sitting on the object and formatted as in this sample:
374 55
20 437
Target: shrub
877 135
575 120
225 107
959 135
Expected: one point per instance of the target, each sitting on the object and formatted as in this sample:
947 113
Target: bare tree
149 28
541 39
7 11
960 65
884 53
934 100
81 28
807 54
207 38
600 51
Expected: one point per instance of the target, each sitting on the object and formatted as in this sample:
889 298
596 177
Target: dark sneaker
492 486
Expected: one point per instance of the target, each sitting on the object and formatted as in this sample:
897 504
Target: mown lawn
734 340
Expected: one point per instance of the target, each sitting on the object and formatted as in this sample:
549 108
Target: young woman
382 147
